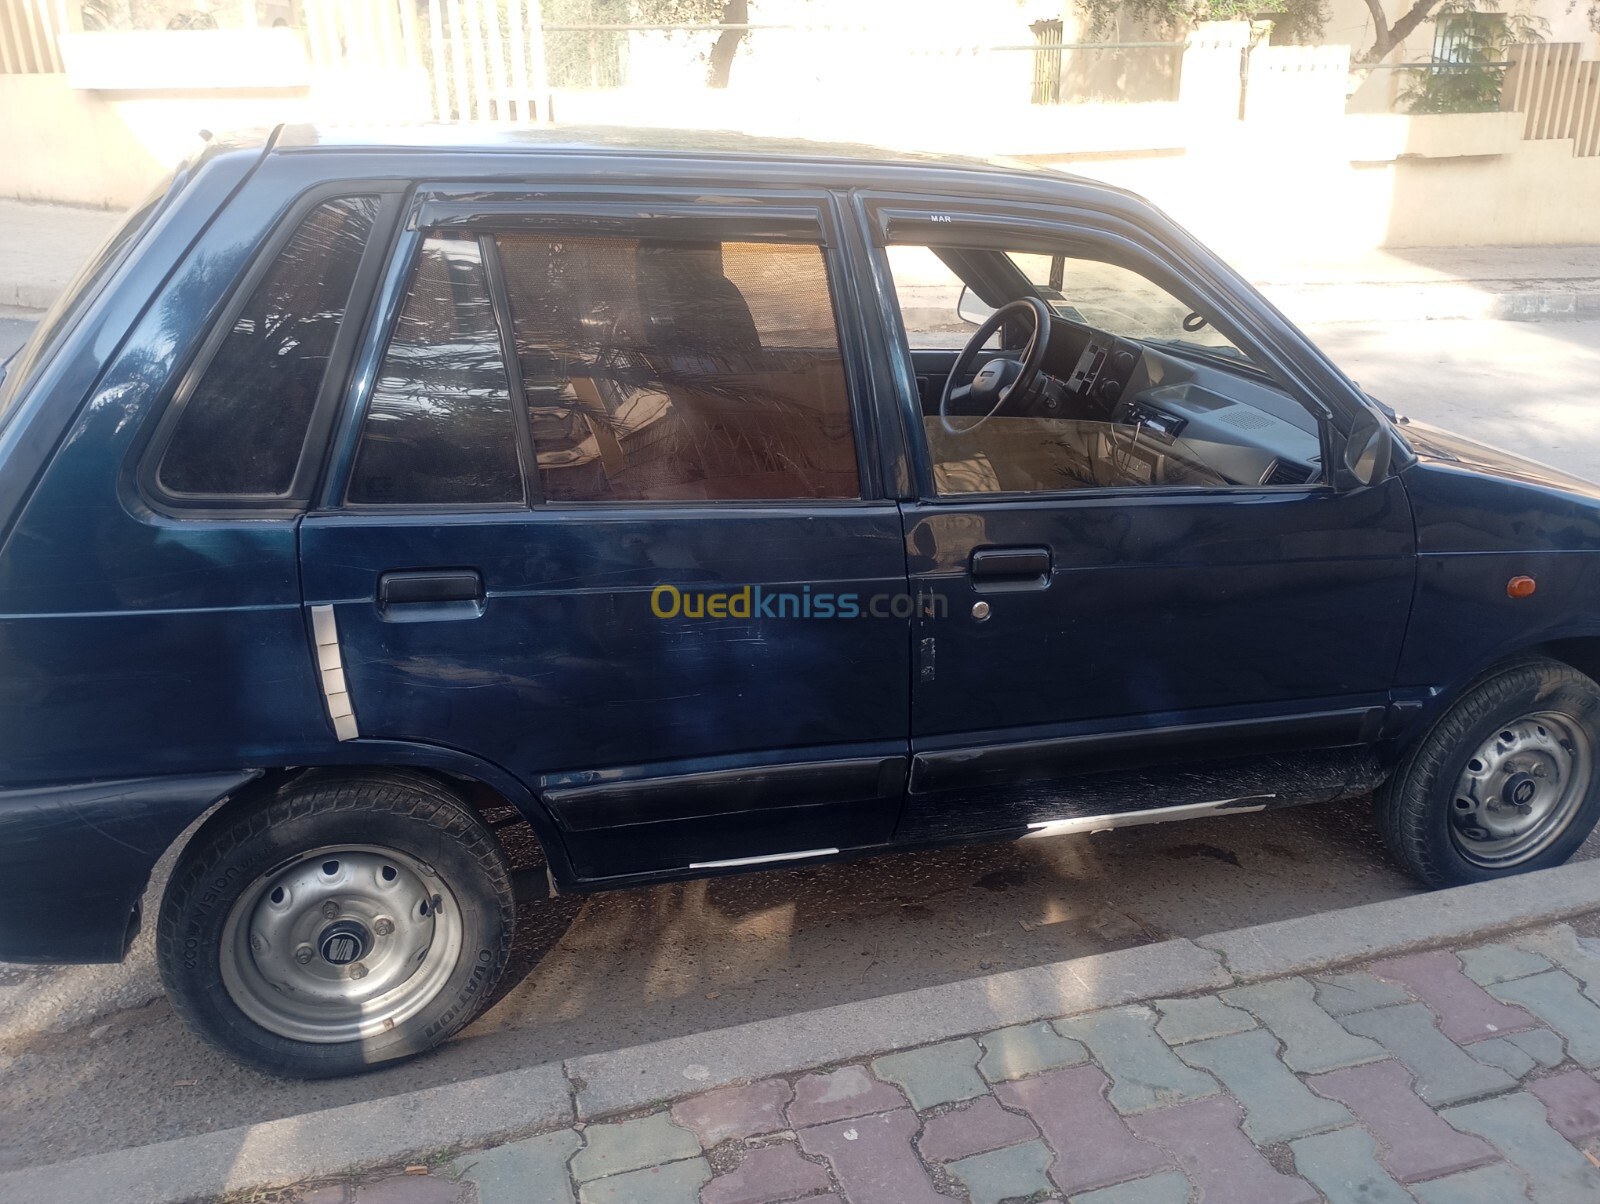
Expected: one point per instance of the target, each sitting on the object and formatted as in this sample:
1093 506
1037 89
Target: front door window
1139 388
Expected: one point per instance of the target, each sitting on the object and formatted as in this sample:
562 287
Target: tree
1465 77
719 59
1295 20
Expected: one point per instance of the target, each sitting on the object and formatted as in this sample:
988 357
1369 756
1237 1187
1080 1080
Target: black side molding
994 764
726 792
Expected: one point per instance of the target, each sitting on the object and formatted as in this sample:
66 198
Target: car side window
1138 389
241 430
439 429
661 370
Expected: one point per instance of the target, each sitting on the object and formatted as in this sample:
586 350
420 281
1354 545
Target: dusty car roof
568 138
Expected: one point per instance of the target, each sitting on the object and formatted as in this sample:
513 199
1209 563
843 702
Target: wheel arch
482 785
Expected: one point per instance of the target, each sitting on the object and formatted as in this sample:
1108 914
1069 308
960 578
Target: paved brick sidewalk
1442 1077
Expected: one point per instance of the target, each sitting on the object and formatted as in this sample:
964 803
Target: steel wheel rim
342 943
1518 792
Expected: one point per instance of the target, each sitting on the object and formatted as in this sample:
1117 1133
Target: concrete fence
1557 92
1257 147
29 33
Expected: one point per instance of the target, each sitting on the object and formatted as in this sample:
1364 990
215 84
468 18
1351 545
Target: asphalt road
639 965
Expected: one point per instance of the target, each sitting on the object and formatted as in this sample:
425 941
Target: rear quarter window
241 428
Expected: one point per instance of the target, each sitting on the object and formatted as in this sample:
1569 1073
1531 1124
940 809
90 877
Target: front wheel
350 922
1504 783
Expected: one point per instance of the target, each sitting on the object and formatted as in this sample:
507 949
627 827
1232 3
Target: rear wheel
1505 782
350 922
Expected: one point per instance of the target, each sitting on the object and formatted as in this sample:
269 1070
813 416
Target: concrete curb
500 1107
27 295
318 1145
630 1078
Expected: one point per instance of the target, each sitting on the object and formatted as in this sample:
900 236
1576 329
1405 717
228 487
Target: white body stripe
335 691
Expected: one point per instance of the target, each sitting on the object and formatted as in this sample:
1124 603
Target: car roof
836 162
601 139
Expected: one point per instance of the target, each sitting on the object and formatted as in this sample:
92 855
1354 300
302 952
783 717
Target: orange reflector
1521 587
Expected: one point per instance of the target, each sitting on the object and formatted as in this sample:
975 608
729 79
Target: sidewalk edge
504 1106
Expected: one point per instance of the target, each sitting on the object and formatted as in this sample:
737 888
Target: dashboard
1171 407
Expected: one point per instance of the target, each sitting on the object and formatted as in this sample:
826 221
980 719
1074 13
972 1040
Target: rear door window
439 429
641 370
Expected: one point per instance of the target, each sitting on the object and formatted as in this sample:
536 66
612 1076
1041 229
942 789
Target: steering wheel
1001 376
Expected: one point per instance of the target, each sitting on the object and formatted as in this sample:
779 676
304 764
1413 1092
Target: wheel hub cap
340 944
1520 789
344 942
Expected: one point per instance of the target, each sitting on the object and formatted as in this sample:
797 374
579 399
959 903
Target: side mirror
973 309
1364 458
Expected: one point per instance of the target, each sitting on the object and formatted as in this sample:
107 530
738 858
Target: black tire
1423 814
379 816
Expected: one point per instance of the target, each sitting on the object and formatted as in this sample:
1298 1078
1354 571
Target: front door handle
421 595
998 569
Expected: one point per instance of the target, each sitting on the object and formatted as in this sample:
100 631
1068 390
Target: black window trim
804 220
324 412
401 272
996 225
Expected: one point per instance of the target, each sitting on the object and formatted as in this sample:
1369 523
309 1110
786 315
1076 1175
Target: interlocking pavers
1199 1018
1416 1143
1312 1039
746 1111
1144 1073
1169 1187
872 1158
1204 1139
1277 1105
935 1074
1578 956
981 1126
839 1094
764 1175
671 1183
1496 962
1573 1102
1556 998
1094 1145
1343 1165
1501 1053
1518 1126
1466 1011
626 1145
410 1189
1024 1049
503 1173
1443 1072
1520 1054
1497 1184
1357 991
1542 1045
1013 1173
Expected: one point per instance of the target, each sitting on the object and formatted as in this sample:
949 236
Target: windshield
1119 301
75 299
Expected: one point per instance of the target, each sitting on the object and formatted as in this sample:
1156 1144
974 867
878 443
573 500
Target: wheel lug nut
383 927
330 909
304 954
358 971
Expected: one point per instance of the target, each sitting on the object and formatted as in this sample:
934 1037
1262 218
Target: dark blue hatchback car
694 506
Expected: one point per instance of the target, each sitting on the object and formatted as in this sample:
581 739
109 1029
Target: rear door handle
425 594
997 569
